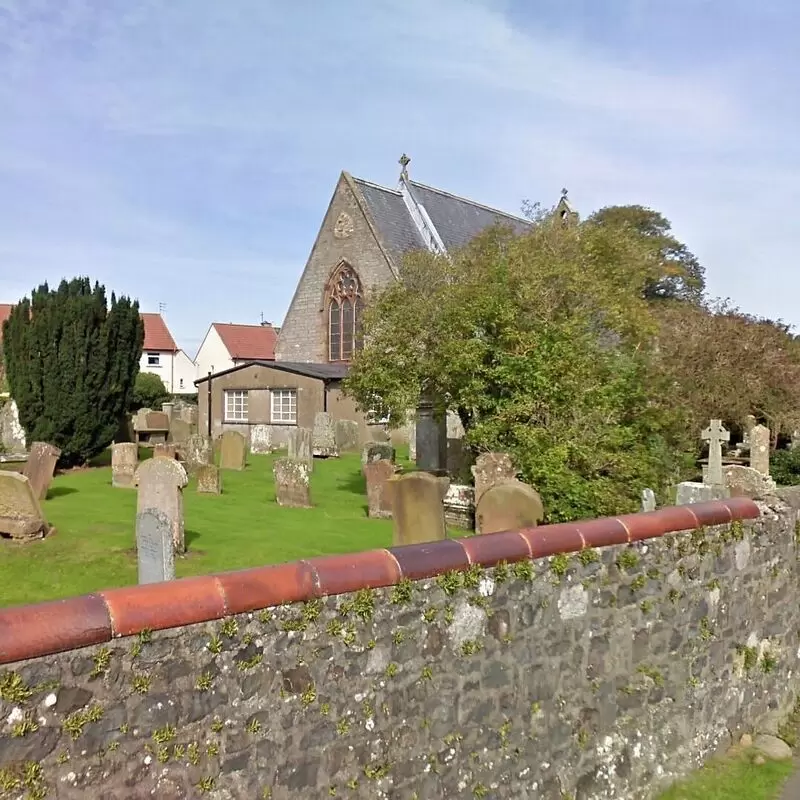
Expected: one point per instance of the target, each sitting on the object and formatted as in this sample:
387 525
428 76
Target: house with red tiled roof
227 345
162 357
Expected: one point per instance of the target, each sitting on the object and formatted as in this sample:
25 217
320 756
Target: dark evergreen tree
72 360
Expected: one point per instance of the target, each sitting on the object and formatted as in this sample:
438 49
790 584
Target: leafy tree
677 274
541 343
72 360
149 391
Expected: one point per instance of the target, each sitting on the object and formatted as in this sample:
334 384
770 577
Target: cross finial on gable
715 435
564 193
404 161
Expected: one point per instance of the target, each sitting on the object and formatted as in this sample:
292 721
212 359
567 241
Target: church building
365 233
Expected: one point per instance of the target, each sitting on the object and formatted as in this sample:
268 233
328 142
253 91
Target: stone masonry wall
458 669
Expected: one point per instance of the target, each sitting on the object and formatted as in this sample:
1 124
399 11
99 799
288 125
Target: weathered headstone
417 507
292 483
715 435
154 546
458 454
688 492
324 438
165 450
124 460
12 434
20 513
156 421
759 448
161 482
648 500
232 450
198 451
459 506
209 479
261 439
40 466
300 445
508 506
377 474
346 435
431 438
748 482
377 451
489 469
179 430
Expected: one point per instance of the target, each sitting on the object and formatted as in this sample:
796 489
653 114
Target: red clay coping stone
53 627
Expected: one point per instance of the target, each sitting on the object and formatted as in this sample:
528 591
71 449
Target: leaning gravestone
346 435
124 460
377 474
198 451
417 509
20 513
260 439
232 450
300 445
209 480
508 506
161 482
759 448
377 451
40 466
292 483
324 438
154 546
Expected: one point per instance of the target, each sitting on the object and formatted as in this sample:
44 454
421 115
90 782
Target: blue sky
184 152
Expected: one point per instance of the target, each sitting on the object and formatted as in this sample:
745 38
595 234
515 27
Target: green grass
733 779
93 547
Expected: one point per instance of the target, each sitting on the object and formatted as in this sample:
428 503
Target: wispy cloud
185 152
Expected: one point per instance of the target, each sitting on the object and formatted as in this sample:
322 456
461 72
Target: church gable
346 249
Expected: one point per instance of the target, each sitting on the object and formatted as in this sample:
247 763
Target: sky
184 153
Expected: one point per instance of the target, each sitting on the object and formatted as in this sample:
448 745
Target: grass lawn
93 547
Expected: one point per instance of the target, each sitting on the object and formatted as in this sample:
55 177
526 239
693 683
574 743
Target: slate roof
248 342
157 335
457 220
322 372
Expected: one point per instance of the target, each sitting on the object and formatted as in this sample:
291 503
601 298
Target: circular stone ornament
344 226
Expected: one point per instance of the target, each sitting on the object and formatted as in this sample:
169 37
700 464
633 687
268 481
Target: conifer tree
72 360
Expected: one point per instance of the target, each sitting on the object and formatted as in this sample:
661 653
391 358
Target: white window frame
153 359
236 405
283 413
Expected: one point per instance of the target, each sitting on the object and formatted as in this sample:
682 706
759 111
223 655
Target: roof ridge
471 202
245 324
378 186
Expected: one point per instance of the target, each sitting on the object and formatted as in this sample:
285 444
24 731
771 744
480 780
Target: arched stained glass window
344 314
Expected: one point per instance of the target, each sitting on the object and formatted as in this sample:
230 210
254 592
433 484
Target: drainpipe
324 395
209 404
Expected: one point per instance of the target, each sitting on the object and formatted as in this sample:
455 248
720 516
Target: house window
235 405
284 406
154 359
180 382
345 307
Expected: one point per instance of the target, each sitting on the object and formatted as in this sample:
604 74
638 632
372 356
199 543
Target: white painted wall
172 368
185 374
212 356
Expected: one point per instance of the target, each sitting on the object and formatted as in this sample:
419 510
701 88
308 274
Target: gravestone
715 435
324 437
198 451
292 483
167 408
759 448
346 435
412 441
156 421
179 430
124 460
300 445
377 474
748 482
489 469
431 438
688 492
232 451
209 479
12 434
40 466
154 546
377 451
165 450
458 455
648 500
459 506
20 513
508 506
261 439
161 482
417 507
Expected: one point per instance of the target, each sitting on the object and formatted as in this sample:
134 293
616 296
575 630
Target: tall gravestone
431 438
260 439
417 507
713 486
232 451
508 506
20 513
40 467
124 460
292 483
155 552
324 436
198 451
759 448
160 482
377 475
300 445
